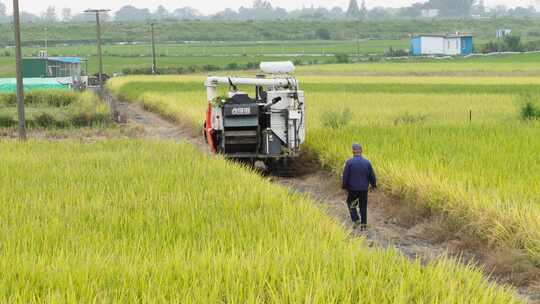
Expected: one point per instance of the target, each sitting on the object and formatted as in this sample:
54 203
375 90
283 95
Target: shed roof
8 85
443 36
57 59
66 59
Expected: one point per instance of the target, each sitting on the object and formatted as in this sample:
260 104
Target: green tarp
9 85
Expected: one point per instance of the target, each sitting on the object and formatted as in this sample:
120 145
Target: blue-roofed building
441 45
52 67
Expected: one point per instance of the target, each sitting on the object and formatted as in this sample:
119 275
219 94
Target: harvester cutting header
269 126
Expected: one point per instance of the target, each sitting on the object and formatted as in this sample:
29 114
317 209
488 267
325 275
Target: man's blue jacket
358 175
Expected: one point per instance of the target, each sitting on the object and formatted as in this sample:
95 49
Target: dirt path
149 125
145 124
392 222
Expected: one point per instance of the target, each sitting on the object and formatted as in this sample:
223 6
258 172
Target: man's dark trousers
358 200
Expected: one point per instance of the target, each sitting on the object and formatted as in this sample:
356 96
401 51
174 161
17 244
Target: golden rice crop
133 221
442 68
482 172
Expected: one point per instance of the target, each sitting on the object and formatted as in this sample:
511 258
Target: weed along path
393 223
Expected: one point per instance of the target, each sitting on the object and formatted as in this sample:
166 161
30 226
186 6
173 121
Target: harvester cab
268 126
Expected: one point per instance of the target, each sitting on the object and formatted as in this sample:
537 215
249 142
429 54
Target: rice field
457 145
506 65
127 221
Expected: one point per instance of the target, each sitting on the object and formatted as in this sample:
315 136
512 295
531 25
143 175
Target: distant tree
186 13
3 13
521 12
317 13
280 13
353 12
89 17
227 14
261 10
500 10
161 13
131 13
363 10
379 13
29 17
337 13
83 17
510 43
513 43
323 34
66 14
479 8
262 4
342 58
451 8
50 14
413 11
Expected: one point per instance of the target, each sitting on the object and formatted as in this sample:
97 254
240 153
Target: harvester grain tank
269 127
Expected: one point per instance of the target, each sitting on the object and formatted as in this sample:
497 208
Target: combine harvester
269 127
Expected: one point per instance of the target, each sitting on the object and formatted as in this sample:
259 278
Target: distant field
318 47
260 30
420 138
119 57
501 65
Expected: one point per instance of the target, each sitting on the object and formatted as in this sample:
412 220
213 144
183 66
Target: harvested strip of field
468 156
130 221
54 109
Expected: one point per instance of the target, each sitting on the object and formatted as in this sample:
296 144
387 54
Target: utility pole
99 53
358 38
154 65
18 68
46 42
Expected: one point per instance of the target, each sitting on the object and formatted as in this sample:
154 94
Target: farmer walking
358 175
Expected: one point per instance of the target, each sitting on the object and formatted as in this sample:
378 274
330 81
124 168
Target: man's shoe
355 225
363 227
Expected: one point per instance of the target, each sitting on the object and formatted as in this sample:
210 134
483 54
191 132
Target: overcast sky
212 6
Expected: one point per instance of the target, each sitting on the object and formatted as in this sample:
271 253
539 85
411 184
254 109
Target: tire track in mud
393 223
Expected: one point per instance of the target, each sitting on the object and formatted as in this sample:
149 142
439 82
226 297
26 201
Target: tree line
264 10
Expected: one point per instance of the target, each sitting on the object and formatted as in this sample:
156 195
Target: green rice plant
335 119
530 107
7 120
88 110
132 221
